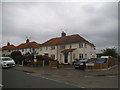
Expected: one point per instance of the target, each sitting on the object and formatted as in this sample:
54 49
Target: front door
66 58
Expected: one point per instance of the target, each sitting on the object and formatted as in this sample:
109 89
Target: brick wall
53 64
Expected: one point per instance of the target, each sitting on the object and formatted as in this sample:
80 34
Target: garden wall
53 63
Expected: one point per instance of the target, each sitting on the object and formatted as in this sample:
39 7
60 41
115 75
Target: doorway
66 58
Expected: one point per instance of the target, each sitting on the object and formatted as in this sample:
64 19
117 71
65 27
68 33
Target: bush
17 56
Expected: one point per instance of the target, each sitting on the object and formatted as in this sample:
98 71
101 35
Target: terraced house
67 49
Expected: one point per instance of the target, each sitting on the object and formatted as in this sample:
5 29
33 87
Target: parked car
80 64
6 62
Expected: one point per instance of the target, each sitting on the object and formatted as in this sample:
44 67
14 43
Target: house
67 49
7 50
24 48
28 47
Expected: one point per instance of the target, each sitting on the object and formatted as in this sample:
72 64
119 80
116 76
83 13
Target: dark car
80 64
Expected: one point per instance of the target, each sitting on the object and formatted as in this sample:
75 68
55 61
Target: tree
17 56
110 52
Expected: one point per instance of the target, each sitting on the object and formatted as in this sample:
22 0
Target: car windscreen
6 59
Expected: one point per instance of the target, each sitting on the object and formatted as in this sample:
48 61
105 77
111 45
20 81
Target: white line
1 85
27 73
88 76
111 76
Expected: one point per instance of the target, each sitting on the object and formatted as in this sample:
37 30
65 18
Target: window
85 55
33 49
70 46
9 50
80 45
40 49
46 48
85 45
22 50
52 47
46 54
30 49
26 50
62 47
53 56
81 56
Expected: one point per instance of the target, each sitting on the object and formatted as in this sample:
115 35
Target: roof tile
66 40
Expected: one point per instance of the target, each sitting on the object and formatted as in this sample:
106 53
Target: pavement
85 79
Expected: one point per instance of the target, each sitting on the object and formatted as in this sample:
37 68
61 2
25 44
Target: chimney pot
63 34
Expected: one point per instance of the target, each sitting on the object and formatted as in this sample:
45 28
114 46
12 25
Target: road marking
111 76
88 76
27 73
82 87
1 85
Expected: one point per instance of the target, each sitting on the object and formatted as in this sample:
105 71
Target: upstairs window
22 50
62 47
30 49
33 49
46 48
9 50
85 45
80 45
52 47
40 49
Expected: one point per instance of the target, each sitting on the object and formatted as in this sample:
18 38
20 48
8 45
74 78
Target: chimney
27 41
63 34
8 43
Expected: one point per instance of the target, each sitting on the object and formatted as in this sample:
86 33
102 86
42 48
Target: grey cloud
97 22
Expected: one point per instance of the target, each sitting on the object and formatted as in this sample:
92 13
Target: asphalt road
17 79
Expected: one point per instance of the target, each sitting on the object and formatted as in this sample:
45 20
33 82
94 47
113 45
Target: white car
7 62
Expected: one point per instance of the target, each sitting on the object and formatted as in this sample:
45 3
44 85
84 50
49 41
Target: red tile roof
8 47
66 40
28 45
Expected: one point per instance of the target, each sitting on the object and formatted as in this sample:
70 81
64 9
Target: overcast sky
96 22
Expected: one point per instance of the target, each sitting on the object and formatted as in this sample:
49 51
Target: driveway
84 79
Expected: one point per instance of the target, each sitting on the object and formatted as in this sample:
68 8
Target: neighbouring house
24 48
28 47
67 49
7 50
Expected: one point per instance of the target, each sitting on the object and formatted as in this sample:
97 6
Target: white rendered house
67 49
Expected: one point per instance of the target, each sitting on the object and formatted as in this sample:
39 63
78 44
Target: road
16 79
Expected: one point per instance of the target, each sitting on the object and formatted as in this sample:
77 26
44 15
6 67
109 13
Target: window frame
52 47
81 45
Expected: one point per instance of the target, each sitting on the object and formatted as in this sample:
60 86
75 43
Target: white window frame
81 45
52 47
81 56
